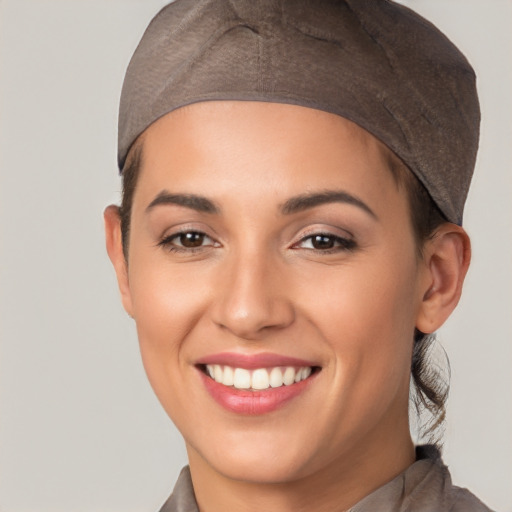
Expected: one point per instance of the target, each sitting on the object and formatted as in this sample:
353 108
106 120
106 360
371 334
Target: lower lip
247 402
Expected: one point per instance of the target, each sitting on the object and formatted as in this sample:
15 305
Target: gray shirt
425 486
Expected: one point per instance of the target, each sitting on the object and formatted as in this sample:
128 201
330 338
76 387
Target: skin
258 284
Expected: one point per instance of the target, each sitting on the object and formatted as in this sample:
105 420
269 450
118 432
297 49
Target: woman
294 179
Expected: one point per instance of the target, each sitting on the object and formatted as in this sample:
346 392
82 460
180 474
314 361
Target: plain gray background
80 429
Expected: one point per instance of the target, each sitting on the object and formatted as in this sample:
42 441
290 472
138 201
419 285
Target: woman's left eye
187 240
326 242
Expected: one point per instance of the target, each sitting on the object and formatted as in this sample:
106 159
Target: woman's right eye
187 241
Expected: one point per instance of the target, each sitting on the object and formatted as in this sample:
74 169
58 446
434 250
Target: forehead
230 147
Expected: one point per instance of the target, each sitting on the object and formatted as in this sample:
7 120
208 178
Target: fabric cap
374 62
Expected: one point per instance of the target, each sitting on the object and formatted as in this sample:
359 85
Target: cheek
368 326
167 304
368 320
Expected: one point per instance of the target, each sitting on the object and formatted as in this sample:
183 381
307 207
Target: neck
336 487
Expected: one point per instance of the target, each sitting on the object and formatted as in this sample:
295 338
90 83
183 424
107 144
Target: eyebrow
292 205
192 201
306 201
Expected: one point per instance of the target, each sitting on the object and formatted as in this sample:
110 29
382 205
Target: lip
242 401
253 361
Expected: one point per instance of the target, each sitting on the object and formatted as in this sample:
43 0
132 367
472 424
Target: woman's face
271 242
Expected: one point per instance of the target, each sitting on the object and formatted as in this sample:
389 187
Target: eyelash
340 243
168 242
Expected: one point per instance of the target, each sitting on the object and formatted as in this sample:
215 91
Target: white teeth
259 379
289 376
242 378
217 373
305 372
228 377
276 377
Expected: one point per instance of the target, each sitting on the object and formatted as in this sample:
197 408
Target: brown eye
191 239
322 242
187 241
325 242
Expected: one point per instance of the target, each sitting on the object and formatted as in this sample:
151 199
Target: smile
254 384
258 379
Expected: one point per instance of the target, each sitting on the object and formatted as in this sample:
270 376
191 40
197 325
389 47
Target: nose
252 298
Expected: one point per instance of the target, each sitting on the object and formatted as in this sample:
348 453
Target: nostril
253 321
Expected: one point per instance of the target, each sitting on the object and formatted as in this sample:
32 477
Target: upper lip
253 361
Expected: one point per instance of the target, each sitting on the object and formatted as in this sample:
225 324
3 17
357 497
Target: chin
256 469
255 459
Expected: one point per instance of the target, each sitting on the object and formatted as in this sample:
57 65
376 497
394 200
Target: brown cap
374 62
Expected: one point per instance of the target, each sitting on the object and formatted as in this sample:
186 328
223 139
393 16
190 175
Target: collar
424 486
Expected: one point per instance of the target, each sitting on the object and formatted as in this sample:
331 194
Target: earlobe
446 258
115 252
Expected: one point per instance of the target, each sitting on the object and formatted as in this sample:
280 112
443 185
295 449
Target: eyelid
180 233
323 229
327 235
178 228
166 240
346 241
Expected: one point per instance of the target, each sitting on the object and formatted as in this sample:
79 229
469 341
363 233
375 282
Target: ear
115 252
446 257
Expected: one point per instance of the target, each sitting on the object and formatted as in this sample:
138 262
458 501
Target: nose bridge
252 296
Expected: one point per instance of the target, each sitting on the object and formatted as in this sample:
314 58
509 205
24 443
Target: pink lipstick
257 383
